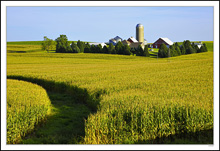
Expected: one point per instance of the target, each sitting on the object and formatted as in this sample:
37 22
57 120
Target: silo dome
139 25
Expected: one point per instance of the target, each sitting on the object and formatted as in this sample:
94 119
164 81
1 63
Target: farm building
125 42
96 44
160 41
150 46
136 44
133 43
145 42
132 40
115 40
199 44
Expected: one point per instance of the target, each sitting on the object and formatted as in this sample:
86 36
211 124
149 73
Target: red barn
160 41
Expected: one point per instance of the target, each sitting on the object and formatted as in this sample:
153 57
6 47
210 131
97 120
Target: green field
123 99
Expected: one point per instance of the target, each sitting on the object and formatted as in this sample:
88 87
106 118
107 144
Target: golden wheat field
136 99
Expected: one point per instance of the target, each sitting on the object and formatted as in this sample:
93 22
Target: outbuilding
96 44
160 41
125 42
132 40
115 40
199 44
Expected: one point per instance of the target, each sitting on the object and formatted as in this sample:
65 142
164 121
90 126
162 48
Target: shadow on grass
12 51
70 107
153 54
199 137
28 51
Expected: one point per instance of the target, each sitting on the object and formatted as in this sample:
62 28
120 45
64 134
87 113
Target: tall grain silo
140 33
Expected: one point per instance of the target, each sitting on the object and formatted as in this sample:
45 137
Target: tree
140 51
113 51
93 49
206 49
196 48
119 48
176 45
133 51
87 48
111 48
81 45
172 51
75 48
62 44
202 49
178 51
163 51
183 50
188 46
146 52
104 49
47 44
99 48
126 50
190 50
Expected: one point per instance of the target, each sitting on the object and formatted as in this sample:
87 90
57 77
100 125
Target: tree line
63 46
175 50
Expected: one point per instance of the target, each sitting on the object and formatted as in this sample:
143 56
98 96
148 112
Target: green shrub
163 51
75 48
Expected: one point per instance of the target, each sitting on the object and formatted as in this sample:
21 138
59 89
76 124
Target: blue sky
99 24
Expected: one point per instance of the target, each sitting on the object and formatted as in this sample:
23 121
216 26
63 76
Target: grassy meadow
117 99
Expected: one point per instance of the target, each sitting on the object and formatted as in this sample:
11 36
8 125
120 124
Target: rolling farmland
127 99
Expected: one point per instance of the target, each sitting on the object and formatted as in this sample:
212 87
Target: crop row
27 105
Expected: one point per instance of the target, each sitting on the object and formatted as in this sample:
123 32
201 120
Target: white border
110 3
4 4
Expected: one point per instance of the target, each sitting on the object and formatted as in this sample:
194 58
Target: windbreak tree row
176 50
63 46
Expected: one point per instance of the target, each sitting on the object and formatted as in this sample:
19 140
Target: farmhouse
160 41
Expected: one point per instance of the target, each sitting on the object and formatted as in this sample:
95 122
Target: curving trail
66 124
